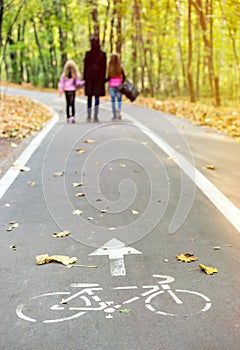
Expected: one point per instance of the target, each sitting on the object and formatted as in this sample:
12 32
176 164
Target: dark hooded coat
95 63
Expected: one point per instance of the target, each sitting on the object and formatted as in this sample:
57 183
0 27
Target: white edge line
222 203
12 173
229 210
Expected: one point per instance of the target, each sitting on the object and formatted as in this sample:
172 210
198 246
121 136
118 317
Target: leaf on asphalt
77 212
14 145
122 165
61 234
103 211
13 247
210 167
98 200
7 205
79 194
13 226
165 260
80 150
59 173
170 158
63 301
24 168
125 311
88 141
90 218
186 257
207 269
135 212
217 248
63 259
31 183
77 184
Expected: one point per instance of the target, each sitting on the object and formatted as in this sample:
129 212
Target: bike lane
119 152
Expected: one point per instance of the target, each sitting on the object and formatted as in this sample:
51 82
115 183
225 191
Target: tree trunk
189 69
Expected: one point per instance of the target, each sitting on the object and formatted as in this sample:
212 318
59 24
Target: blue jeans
96 106
115 94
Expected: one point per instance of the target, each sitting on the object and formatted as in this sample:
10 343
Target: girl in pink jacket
116 76
68 84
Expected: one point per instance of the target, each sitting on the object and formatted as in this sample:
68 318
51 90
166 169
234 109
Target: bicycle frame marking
88 294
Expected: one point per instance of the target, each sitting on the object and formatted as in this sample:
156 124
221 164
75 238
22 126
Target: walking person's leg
96 108
72 95
112 95
119 99
89 108
67 95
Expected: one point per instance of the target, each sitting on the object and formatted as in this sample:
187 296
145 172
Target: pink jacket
115 82
70 84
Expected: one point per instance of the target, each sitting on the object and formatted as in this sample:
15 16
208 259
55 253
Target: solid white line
223 204
12 173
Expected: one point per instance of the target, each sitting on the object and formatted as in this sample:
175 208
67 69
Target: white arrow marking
116 250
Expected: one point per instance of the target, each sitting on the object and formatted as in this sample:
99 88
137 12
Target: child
68 84
116 76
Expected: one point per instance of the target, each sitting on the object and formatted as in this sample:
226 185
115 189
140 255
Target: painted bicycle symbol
158 299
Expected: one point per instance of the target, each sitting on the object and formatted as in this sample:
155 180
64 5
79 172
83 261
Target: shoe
88 119
96 120
73 120
119 115
68 120
114 119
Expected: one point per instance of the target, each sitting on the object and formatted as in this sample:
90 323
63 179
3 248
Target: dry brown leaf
207 269
186 257
61 234
63 259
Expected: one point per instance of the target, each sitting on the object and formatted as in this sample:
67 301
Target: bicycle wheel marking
22 316
65 318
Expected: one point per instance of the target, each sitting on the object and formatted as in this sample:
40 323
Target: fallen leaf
7 205
77 184
170 158
61 234
186 257
80 150
210 167
165 260
77 212
79 194
88 141
98 163
103 211
98 200
63 301
122 165
112 228
216 248
90 218
135 212
13 226
24 168
207 269
57 174
125 311
14 145
31 183
63 259
13 247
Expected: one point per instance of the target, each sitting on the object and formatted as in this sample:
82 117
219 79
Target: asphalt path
139 211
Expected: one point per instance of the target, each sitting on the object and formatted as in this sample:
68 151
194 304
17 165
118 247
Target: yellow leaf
24 168
57 174
186 257
77 212
63 259
207 269
77 184
61 234
14 225
135 212
80 150
123 165
210 167
88 141
79 194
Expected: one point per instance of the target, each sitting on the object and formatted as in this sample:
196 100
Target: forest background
183 55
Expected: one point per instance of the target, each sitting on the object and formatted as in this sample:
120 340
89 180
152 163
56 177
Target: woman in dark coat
94 75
